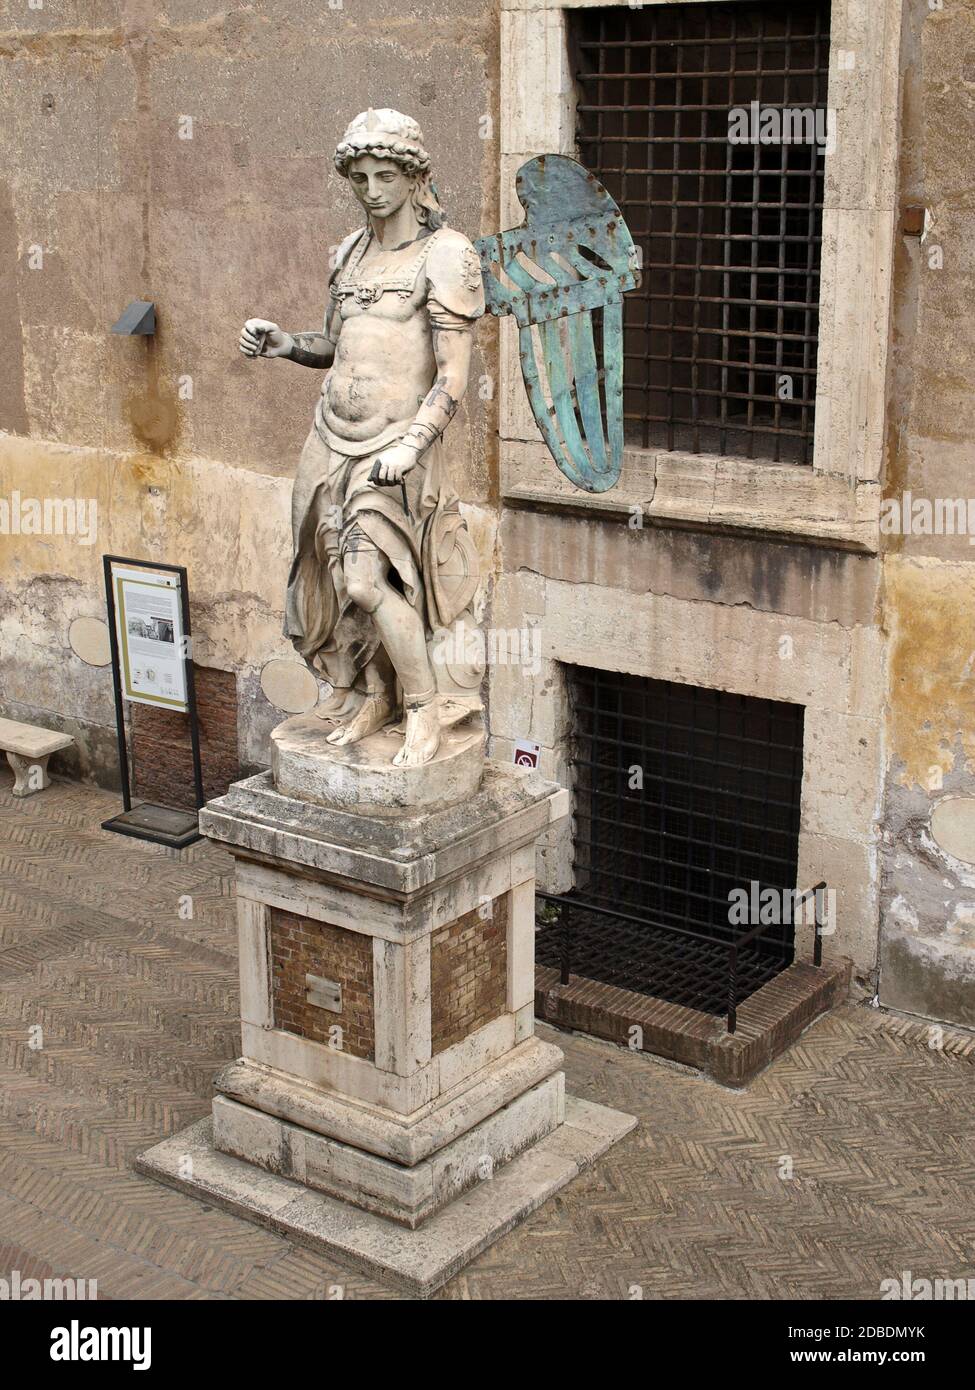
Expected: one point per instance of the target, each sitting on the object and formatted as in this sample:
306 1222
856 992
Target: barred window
683 796
720 340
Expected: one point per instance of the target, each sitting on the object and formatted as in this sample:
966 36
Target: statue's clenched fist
262 338
392 465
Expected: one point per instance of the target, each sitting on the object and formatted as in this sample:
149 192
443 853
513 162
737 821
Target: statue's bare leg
401 632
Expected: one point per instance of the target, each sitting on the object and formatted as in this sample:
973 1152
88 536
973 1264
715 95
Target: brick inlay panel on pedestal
301 946
468 973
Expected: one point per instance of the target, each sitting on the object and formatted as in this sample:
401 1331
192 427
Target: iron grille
681 795
725 324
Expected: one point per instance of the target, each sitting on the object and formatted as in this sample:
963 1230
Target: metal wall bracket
139 317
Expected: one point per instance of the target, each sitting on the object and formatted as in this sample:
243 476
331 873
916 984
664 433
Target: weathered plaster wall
188 448
928 892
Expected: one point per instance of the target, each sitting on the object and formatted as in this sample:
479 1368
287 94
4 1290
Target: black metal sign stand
163 825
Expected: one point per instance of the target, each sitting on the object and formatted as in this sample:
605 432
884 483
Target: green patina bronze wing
573 255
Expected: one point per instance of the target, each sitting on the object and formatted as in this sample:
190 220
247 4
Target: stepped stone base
417 1261
406 1140
407 1195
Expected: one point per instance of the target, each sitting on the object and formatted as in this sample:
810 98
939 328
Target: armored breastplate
367 285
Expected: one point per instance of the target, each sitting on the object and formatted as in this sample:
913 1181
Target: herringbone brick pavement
850 1160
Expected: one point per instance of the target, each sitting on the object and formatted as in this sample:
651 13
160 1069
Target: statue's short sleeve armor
455 296
330 327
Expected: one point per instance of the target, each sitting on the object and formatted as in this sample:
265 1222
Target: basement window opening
682 795
720 340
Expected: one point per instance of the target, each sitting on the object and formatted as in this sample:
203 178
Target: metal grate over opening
720 340
681 795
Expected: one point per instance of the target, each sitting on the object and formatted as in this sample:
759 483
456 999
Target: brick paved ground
136 1003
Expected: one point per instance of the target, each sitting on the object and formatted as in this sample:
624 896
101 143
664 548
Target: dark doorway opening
684 798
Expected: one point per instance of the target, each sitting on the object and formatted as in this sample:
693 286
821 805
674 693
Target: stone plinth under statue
392 1106
362 777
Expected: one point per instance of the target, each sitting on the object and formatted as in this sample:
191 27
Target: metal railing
744 974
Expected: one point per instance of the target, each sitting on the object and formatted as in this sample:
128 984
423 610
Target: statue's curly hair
388 134
411 158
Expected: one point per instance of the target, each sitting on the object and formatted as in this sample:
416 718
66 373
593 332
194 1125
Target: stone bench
28 748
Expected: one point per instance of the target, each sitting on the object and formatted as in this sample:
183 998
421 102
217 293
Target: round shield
455 575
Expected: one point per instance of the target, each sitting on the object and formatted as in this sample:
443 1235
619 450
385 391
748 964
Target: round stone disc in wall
89 640
289 686
953 827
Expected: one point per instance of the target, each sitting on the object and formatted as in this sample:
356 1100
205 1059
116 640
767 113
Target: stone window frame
836 499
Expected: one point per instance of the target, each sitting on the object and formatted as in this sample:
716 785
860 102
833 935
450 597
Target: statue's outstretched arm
311 349
263 338
317 349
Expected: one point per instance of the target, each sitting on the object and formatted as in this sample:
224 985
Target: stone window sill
706 492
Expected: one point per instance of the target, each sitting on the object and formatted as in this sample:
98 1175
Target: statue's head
382 156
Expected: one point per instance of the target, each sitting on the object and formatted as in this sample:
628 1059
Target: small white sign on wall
526 753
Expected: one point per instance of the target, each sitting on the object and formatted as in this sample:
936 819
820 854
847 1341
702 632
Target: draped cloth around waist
332 495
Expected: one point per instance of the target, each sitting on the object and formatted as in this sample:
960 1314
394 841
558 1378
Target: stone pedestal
392 1105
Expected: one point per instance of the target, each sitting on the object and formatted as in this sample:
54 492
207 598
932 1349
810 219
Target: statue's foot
422 736
372 714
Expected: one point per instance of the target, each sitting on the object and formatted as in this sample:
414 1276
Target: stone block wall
927 858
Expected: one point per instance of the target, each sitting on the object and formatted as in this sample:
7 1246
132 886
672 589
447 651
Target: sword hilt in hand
381 482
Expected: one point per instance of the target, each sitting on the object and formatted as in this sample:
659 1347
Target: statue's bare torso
384 363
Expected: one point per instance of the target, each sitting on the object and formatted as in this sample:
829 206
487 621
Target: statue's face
380 185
